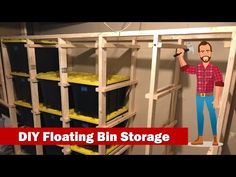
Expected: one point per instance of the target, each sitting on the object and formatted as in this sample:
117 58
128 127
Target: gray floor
5 149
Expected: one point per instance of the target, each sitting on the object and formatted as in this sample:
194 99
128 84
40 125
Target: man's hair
204 43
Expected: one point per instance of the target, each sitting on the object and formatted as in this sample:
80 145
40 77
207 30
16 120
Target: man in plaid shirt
208 76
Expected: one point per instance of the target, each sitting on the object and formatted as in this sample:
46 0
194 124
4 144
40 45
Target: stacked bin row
83 97
86 99
19 64
25 119
19 60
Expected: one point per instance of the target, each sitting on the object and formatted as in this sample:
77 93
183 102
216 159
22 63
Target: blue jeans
200 117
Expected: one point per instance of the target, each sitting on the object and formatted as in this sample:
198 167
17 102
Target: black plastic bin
112 98
86 99
18 56
4 110
121 96
81 124
76 153
50 120
22 88
29 149
52 150
46 59
51 94
24 117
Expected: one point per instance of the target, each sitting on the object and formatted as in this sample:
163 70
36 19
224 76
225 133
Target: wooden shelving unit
63 43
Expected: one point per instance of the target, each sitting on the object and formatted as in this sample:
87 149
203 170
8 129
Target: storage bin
50 120
4 110
51 94
29 149
122 94
18 56
82 92
86 99
46 58
52 150
24 117
22 88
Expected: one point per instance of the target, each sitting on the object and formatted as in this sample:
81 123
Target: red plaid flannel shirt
206 78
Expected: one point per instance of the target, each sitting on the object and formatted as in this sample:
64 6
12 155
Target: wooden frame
225 106
102 42
2 84
62 45
10 92
64 90
34 91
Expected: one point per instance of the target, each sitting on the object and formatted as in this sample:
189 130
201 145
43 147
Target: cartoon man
208 76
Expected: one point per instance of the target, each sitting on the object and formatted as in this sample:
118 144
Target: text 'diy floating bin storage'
86 98
81 124
46 58
51 93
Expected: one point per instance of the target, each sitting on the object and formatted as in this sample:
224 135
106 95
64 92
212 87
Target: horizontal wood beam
55 36
166 92
160 90
164 88
61 45
119 119
145 35
41 46
78 45
171 124
163 91
162 45
120 149
197 37
219 36
109 45
117 86
178 31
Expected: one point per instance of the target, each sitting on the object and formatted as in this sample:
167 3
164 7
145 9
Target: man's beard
205 61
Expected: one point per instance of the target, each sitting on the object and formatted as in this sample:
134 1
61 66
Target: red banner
93 136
